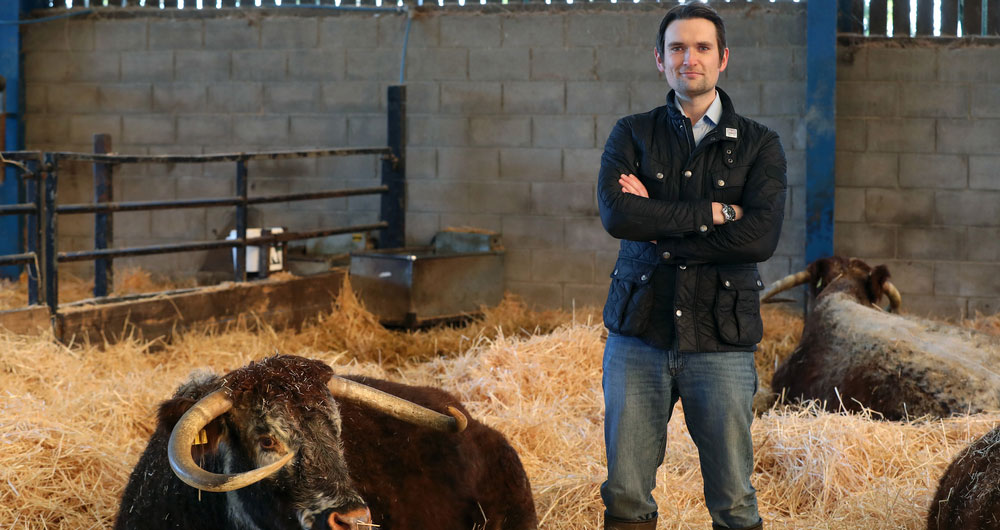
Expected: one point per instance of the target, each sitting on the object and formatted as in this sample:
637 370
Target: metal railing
41 213
923 18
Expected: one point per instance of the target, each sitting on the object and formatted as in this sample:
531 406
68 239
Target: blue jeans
641 385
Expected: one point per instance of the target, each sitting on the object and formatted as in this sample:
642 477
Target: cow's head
838 274
273 428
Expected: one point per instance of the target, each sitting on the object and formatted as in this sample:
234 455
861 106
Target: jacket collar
726 129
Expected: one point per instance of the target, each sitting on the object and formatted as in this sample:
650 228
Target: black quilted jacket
697 287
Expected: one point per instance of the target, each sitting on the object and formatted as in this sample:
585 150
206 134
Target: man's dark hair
693 10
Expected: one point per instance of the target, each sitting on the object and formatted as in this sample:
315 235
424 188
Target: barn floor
73 420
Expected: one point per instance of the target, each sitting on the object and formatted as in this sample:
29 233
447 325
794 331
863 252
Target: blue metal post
821 78
50 262
13 137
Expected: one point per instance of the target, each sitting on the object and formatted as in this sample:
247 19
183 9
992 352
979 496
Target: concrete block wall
508 113
918 171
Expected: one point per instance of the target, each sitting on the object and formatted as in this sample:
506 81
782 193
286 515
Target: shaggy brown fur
967 495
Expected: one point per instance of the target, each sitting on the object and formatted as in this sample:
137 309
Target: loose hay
74 421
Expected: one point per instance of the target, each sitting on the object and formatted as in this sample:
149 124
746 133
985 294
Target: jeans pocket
630 297
737 307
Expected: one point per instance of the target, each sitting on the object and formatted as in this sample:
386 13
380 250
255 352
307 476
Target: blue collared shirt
708 121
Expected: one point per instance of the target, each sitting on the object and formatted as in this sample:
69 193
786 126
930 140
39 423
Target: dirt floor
73 420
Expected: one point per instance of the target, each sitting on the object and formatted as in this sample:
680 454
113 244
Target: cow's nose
357 519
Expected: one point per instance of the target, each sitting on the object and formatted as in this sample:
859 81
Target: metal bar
901 18
949 17
992 17
821 76
878 16
103 220
393 204
220 157
984 16
17 209
925 19
11 68
241 221
33 231
50 274
22 155
71 209
850 16
972 17
18 259
295 236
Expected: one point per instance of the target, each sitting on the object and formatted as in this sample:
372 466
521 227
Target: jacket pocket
630 297
737 307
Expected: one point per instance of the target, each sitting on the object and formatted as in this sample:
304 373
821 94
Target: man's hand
631 184
717 217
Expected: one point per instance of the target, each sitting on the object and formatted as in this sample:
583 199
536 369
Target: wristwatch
728 213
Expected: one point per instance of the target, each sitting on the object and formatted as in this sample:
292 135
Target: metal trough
418 286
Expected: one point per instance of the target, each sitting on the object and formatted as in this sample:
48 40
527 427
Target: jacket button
682 267
687 173
616 272
759 284
659 176
703 228
643 277
678 313
666 255
726 283
730 160
729 151
722 183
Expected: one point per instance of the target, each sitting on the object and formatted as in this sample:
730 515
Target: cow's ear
817 275
876 281
206 442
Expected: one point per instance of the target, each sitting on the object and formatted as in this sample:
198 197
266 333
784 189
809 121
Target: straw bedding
73 420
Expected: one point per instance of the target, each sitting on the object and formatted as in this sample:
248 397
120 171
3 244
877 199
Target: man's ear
725 59
659 59
206 443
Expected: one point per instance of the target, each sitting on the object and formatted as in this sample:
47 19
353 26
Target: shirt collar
712 115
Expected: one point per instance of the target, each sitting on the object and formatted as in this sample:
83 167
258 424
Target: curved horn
397 407
895 299
179 449
785 284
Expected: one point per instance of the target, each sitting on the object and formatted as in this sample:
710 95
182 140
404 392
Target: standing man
696 194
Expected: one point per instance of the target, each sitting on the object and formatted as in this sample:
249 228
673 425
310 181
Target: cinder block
366 130
35 98
425 32
562 265
934 100
537 30
149 129
435 196
775 269
145 189
135 97
849 205
354 30
43 129
901 135
422 98
866 98
421 162
468 163
517 264
783 28
980 136
971 208
63 35
934 306
289 33
581 165
75 97
587 233
626 64
203 129
180 97
784 98
259 65
559 64
500 197
530 164
175 34
499 131
563 198
851 135
746 95
436 64
471 219
200 187
984 172
589 97
351 96
318 131
563 131
82 128
118 34
531 232
643 27
437 130
792 240
852 63
132 225
368 64
235 33
604 124
236 97
867 169
534 97
205 66
537 296
986 100
580 298
931 243
766 64
902 64
471 97
188 224
965 64
54 66
911 276
499 64
470 31
259 130
864 240
421 227
291 97
596 29
796 172
933 171
982 306
647 95
317 65
148 67
967 279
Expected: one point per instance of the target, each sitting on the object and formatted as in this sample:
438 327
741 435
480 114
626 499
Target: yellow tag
201 438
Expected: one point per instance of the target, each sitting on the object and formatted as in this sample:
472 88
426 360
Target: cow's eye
268 442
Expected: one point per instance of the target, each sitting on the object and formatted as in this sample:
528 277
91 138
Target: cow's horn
895 300
397 407
179 449
785 284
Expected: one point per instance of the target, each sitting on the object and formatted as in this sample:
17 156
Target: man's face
690 58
